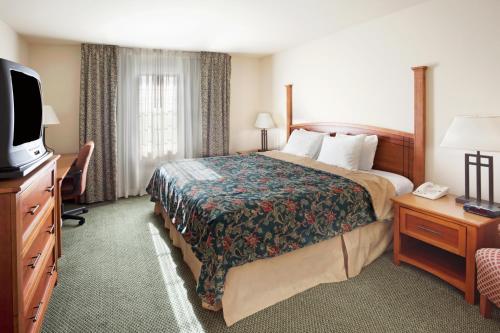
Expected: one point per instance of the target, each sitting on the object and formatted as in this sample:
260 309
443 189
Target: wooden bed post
420 102
288 110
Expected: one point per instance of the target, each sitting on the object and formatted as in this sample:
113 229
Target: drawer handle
33 209
35 261
50 189
427 229
52 229
37 313
52 270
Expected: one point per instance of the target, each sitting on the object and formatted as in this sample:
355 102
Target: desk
63 165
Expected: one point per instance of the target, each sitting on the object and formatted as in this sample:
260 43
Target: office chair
73 185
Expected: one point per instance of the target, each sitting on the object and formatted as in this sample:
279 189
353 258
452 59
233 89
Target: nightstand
439 237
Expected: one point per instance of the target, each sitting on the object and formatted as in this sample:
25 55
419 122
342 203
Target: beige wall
245 90
363 75
59 69
12 46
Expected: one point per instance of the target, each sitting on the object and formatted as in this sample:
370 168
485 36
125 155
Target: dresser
439 237
28 249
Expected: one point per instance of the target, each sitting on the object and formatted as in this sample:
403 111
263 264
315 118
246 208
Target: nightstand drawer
432 230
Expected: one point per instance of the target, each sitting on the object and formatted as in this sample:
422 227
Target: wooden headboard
398 152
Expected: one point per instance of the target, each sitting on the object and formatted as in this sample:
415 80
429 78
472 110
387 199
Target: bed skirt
254 286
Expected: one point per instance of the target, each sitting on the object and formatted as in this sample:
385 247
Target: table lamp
476 133
264 121
49 118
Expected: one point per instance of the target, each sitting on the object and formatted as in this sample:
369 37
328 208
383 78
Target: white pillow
304 143
342 151
368 151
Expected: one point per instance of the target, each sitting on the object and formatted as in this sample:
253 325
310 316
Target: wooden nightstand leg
397 236
58 211
485 306
470 266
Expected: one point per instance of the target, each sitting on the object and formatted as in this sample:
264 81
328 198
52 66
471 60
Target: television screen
27 108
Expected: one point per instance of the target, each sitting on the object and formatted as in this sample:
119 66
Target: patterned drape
215 96
98 87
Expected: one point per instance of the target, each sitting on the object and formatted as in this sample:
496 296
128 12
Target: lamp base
483 208
462 199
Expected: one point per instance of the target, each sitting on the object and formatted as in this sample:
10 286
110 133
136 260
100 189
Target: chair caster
81 222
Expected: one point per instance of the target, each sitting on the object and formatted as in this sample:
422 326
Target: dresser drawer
35 198
432 230
35 309
38 252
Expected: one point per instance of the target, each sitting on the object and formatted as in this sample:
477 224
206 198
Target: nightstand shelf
438 236
445 265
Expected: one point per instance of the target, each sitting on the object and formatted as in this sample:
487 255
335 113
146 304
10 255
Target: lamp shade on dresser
49 116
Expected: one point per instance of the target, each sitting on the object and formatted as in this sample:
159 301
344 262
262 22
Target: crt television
21 132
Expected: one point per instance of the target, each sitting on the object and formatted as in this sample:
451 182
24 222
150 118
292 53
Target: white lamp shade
264 121
49 116
477 133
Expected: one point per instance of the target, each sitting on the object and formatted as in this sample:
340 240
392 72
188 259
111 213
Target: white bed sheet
402 184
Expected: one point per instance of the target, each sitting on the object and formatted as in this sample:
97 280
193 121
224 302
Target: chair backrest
82 163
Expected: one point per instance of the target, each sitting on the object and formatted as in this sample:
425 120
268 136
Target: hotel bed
257 229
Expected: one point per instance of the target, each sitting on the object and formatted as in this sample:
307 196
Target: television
21 131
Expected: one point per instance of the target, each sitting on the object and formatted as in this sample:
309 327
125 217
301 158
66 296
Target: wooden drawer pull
35 261
427 229
52 229
50 188
37 313
52 269
33 209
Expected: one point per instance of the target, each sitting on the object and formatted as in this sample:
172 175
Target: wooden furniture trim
444 208
461 231
433 266
44 300
480 232
398 152
32 284
485 306
37 225
419 123
289 110
63 166
19 289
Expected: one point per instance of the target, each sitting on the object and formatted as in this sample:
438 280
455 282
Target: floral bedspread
237 209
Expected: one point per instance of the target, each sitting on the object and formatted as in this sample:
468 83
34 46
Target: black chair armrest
74 176
74 173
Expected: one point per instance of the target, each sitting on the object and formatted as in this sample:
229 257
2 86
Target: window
158 115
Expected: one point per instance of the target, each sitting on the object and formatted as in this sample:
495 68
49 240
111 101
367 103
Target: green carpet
119 273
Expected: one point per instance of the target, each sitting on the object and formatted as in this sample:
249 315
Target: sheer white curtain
158 113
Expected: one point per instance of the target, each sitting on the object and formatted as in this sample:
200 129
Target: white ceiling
236 26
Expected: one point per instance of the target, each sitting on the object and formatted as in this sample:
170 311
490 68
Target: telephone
431 191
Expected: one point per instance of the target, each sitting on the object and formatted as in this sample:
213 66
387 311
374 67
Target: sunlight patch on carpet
180 304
